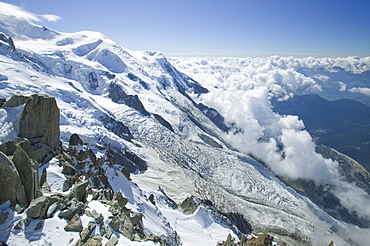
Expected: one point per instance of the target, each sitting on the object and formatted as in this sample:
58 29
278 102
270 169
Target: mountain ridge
78 70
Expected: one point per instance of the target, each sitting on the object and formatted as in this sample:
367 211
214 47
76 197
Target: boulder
16 100
11 185
38 207
75 140
95 241
79 191
75 224
85 233
3 217
113 241
73 207
39 122
123 224
28 173
121 200
8 148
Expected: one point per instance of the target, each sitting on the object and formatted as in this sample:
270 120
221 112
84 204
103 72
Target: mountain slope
138 102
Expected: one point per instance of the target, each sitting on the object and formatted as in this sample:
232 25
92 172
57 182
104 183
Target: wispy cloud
13 10
362 90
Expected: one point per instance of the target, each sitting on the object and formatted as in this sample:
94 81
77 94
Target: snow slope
84 71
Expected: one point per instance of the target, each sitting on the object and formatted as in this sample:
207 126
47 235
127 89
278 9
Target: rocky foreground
27 191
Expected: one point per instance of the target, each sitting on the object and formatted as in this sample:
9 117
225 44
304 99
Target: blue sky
218 27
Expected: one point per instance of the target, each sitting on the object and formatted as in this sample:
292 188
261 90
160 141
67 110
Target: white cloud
51 18
12 10
343 86
241 90
362 90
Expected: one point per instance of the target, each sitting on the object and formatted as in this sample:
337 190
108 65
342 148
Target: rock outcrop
39 122
11 185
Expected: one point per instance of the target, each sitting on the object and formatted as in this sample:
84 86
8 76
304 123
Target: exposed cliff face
38 133
40 121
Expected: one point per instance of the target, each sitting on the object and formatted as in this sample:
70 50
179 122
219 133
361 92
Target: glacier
79 69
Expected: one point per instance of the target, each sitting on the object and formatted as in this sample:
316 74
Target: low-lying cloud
241 89
12 10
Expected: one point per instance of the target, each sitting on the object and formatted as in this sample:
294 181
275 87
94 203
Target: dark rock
38 207
40 120
189 205
116 127
11 185
2 101
43 177
19 225
16 100
113 241
97 216
137 218
85 233
75 224
93 81
163 122
28 173
118 95
122 224
95 241
126 159
39 225
121 200
214 116
8 148
73 207
75 140
79 191
3 217
210 141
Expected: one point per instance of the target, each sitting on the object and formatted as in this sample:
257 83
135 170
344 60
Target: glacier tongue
78 69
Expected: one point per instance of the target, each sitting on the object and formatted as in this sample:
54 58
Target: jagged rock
137 218
19 208
69 182
28 174
85 233
38 207
39 225
127 159
66 162
97 216
3 216
261 240
18 225
121 200
2 101
75 140
73 207
16 100
95 241
113 241
39 122
8 148
43 177
79 191
75 224
12 188
189 205
331 244
118 95
123 225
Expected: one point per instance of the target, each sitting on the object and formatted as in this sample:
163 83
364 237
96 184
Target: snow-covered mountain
139 103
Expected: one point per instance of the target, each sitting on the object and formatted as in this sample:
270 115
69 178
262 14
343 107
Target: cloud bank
12 10
241 89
